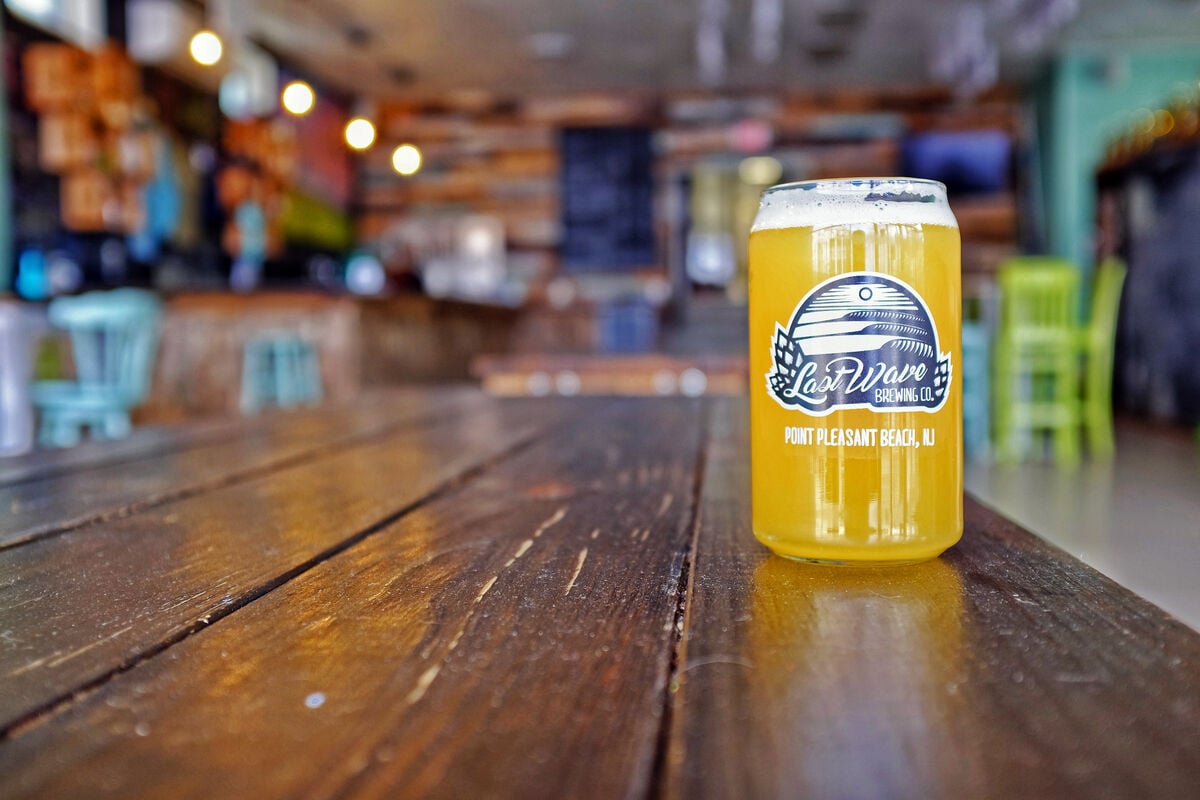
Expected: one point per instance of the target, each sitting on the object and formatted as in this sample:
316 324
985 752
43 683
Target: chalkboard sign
607 199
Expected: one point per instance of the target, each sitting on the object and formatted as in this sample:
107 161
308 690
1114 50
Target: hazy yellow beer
855 387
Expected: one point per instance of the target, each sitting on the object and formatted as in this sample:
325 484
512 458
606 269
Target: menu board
607 199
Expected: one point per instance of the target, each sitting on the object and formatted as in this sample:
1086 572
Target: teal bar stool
1036 359
114 337
975 367
279 369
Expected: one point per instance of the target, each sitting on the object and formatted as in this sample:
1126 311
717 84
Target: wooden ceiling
514 47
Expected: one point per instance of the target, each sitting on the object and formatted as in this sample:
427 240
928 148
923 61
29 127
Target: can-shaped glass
855 387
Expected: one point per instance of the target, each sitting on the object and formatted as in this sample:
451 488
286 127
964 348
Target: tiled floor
1135 518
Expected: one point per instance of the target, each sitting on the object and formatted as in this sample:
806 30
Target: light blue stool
279 369
975 369
114 337
16 372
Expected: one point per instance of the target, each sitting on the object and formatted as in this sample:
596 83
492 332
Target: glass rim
855 183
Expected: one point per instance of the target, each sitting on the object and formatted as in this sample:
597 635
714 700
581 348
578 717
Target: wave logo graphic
859 340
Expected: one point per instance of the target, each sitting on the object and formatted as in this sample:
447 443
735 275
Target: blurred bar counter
411 339
360 343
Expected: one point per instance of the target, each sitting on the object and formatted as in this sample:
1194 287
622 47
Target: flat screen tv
968 162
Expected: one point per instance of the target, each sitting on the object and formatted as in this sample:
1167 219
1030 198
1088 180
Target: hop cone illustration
941 377
787 363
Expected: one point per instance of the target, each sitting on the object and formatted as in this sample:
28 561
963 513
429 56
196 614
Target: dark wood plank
45 506
141 443
1004 669
155 440
81 605
509 639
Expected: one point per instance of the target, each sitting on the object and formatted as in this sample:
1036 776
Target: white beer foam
822 204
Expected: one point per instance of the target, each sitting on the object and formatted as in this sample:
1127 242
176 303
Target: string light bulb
206 48
360 133
406 159
298 98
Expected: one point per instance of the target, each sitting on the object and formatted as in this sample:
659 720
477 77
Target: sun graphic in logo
859 340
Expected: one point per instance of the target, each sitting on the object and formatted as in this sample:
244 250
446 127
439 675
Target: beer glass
855 379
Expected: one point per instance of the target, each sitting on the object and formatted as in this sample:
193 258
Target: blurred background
265 203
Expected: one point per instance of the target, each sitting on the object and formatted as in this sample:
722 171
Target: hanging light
360 133
206 48
298 98
406 159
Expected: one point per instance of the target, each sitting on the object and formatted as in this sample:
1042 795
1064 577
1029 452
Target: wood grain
82 605
155 440
39 507
508 639
143 442
1004 669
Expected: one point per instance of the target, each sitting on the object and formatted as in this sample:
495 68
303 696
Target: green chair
1098 341
1036 358
279 369
114 337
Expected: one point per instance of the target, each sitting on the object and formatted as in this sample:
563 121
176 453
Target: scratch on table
319 623
428 676
27 601
423 682
645 534
633 534
554 519
75 653
578 568
717 659
522 549
68 656
668 498
31 665
596 533
487 587
1076 677
184 601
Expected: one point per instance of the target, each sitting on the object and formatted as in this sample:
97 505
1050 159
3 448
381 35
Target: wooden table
440 594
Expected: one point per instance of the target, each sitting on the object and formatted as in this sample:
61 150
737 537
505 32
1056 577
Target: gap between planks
683 597
59 704
318 450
